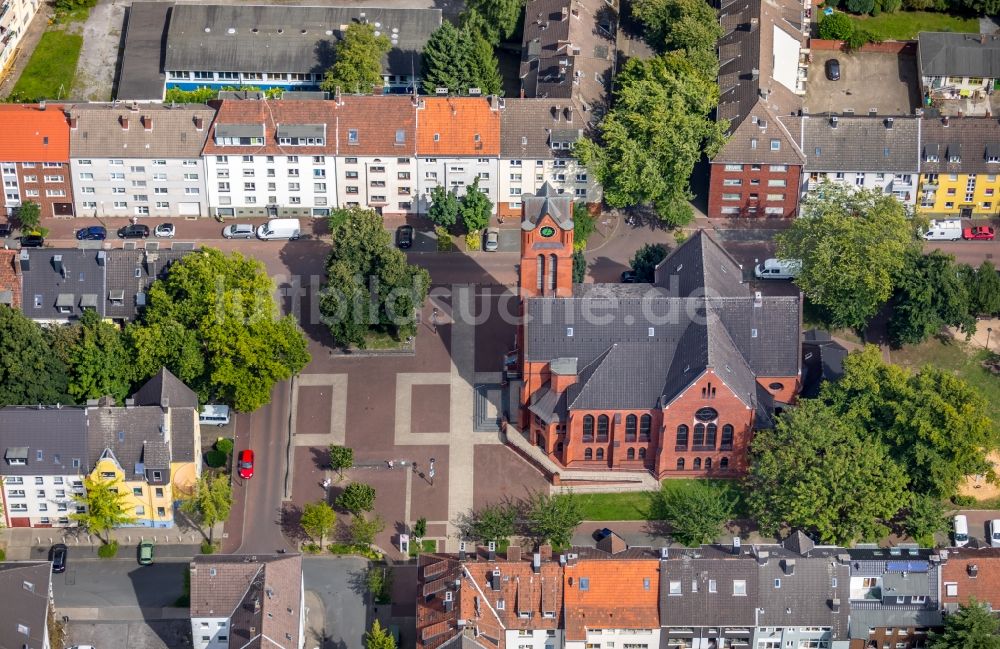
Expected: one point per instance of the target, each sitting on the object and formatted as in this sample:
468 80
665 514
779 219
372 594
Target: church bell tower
546 244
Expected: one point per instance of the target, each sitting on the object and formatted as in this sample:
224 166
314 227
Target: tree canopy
210 502
357 64
678 24
646 259
379 638
30 371
973 626
460 58
984 290
660 125
357 497
852 243
370 286
444 208
104 507
28 216
213 323
341 457
490 523
498 17
552 518
317 519
695 511
100 364
931 292
475 208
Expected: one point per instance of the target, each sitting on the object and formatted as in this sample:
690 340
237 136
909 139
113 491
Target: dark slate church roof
638 346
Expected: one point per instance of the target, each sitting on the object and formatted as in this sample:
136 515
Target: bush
963 500
312 548
3 555
348 548
224 445
108 550
215 458
473 241
858 38
208 548
443 239
836 27
860 6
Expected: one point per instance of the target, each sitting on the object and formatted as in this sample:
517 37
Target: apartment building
28 604
959 167
957 65
15 16
127 161
537 137
458 142
970 573
867 152
45 459
34 158
242 600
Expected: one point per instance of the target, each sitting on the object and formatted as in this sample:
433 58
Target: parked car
245 464
145 553
5 230
833 70
238 231
404 237
961 531
995 533
165 230
93 233
628 276
979 232
778 269
491 240
58 555
32 241
135 231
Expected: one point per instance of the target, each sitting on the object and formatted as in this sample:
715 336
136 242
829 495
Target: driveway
340 584
118 589
155 634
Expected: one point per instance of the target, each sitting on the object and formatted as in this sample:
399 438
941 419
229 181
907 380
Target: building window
682 437
734 167
630 454
642 453
697 464
710 435
588 454
645 423
699 435
680 464
724 463
603 423
631 422
740 587
727 437
588 428
600 454
708 463
775 145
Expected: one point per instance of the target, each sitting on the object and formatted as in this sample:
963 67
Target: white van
280 229
778 269
214 415
961 531
945 230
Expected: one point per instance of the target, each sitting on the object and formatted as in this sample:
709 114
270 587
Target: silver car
165 230
238 231
491 240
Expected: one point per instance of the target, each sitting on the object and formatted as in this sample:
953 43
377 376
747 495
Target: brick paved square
431 411
314 410
495 335
501 474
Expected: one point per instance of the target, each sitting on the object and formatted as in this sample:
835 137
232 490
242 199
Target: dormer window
992 153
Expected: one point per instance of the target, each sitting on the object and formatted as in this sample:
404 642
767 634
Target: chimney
57 264
754 74
833 121
123 120
568 114
25 263
449 601
461 550
536 563
546 551
788 565
495 579
664 553
835 604
758 299
762 556
491 547
555 113
944 121
736 545
982 39
513 553
147 122
41 105
74 122
199 123
102 257
565 13
888 122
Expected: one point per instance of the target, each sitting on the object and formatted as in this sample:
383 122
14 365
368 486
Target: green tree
499 17
210 502
460 58
379 579
695 511
660 125
579 267
934 423
444 207
816 470
973 626
100 363
370 287
30 373
357 497
553 517
924 518
984 290
341 457
646 259
836 27
931 293
231 343
104 507
379 638
490 523
852 244
476 208
679 24
420 528
357 63
317 519
584 225
484 67
364 530
29 216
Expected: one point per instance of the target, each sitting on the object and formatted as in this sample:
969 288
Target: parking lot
886 82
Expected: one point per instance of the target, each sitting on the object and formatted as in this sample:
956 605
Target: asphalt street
110 583
340 583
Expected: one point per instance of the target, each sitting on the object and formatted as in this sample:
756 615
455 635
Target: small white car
238 231
961 531
165 230
778 269
995 533
491 239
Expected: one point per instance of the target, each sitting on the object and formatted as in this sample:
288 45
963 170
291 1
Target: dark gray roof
800 591
288 38
25 588
165 389
900 584
526 126
123 266
822 360
141 76
42 284
705 608
701 267
135 437
968 137
59 435
549 405
547 201
863 620
942 54
799 543
750 142
858 143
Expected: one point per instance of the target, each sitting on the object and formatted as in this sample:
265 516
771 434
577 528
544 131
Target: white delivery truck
945 230
778 269
279 229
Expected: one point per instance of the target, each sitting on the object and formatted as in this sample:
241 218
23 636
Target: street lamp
430 472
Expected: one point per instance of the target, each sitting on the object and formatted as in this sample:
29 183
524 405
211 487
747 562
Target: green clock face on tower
547 231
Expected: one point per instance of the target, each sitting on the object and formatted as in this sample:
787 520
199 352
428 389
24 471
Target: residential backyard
905 25
50 71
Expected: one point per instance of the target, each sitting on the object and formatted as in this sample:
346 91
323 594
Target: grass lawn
50 71
634 505
904 25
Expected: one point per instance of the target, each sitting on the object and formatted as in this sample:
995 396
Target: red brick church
671 377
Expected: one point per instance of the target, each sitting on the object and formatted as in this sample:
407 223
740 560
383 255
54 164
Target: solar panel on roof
907 566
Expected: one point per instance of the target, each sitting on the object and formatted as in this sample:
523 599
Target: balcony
4 10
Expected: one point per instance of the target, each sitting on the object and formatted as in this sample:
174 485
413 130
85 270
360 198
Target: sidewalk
26 543
640 534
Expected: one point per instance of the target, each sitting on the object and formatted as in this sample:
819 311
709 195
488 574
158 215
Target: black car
92 233
833 70
5 230
133 232
32 241
57 555
404 236
628 277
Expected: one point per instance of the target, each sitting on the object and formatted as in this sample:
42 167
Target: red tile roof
985 586
32 134
385 125
10 279
458 126
616 594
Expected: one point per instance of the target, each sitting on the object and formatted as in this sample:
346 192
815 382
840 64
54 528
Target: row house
130 162
28 604
957 65
970 574
34 158
537 138
959 167
757 171
149 449
705 359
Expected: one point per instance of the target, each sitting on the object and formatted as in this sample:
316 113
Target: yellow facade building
959 168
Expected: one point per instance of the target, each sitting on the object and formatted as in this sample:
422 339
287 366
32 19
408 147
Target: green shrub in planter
108 550
214 459
224 445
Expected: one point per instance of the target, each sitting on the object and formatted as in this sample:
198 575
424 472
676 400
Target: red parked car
244 464
983 232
